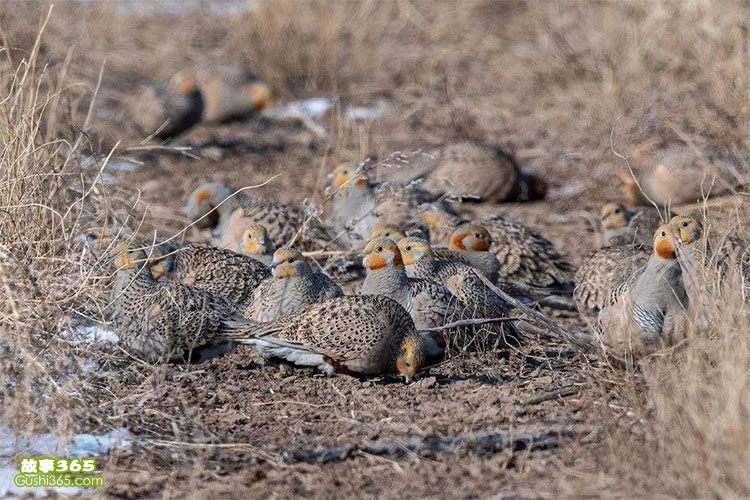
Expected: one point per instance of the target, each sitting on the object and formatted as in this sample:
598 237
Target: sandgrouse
168 109
211 207
369 335
164 319
217 270
293 286
255 243
675 175
657 299
524 256
231 92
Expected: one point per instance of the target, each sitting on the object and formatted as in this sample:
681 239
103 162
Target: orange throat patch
458 243
666 249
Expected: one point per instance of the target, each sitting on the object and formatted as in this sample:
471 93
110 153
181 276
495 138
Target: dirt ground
241 430
568 88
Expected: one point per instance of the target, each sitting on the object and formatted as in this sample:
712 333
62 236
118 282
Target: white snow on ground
91 334
50 445
363 113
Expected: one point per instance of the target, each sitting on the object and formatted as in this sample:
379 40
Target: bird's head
411 357
183 82
413 249
614 216
388 231
348 174
289 262
203 200
261 95
127 256
686 228
255 241
664 243
381 253
470 237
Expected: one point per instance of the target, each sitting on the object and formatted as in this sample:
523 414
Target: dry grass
562 82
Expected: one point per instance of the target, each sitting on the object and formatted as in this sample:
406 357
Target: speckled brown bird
168 109
231 92
621 225
604 269
676 175
524 255
474 170
164 319
359 206
212 207
292 287
217 270
369 335
255 243
429 303
457 277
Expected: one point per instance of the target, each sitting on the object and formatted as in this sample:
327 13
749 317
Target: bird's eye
408 364
663 233
290 260
407 248
684 224
617 210
477 235
379 249
387 235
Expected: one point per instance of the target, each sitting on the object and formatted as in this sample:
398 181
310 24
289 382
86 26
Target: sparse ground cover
570 87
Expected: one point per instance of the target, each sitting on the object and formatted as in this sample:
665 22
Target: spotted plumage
217 270
457 277
524 255
605 269
360 206
293 286
474 170
212 205
164 319
369 335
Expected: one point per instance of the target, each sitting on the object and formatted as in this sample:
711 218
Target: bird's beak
273 265
407 379
361 255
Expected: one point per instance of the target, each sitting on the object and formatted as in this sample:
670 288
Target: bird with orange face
167 110
657 298
360 206
429 303
255 243
215 207
524 256
293 286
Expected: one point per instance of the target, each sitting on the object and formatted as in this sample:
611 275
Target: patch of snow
121 166
50 445
91 334
363 113
314 107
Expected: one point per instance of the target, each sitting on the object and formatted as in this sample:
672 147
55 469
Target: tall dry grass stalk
52 194
691 403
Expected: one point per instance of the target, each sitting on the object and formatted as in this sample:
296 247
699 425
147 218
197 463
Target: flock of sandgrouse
424 266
